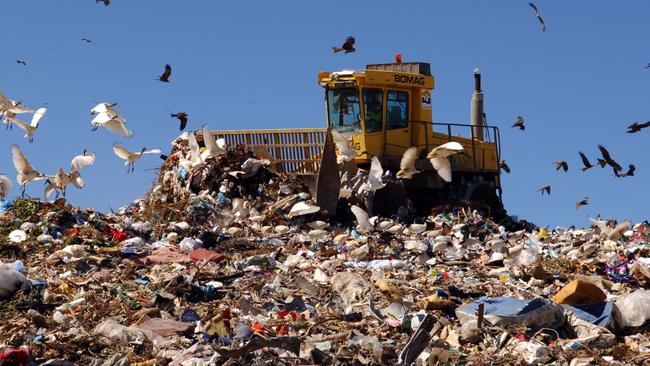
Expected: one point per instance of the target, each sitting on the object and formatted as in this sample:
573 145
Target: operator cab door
398 128
373 111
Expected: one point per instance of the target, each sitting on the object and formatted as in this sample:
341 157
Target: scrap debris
218 267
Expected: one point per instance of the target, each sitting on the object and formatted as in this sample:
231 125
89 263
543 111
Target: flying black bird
636 127
21 62
504 166
106 2
561 164
648 66
87 40
539 17
520 123
182 116
582 202
608 159
585 161
165 75
347 46
546 189
630 172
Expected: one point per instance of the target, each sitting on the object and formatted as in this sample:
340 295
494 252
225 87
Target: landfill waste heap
226 262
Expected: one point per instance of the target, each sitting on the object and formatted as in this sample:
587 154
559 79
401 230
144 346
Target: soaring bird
29 128
608 159
347 46
582 202
439 158
107 116
587 164
407 164
545 189
182 117
366 224
213 146
520 122
21 62
346 153
504 166
539 17
165 75
630 171
636 127
5 186
132 157
87 40
561 164
374 176
106 2
26 173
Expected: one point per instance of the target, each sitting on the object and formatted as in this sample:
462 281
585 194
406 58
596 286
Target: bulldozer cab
374 107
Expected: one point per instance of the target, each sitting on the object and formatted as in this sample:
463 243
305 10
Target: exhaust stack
476 108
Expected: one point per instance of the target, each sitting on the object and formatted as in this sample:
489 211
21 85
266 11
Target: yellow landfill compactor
382 111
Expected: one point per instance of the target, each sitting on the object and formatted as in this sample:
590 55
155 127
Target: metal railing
291 151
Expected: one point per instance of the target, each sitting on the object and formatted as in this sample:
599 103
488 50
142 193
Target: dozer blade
326 184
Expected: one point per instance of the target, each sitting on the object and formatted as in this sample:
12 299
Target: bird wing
605 153
5 185
101 118
445 150
585 161
442 166
117 126
362 218
17 108
348 42
209 140
81 161
48 190
20 161
122 152
152 151
376 170
100 108
194 147
644 124
36 118
409 158
24 125
342 144
167 72
75 179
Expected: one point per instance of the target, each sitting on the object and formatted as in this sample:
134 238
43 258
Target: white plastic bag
634 309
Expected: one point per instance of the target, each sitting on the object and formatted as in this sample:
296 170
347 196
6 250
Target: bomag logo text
409 79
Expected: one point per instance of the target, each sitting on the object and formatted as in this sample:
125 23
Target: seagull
106 2
29 128
21 62
213 146
347 46
520 123
608 159
636 127
365 223
504 166
539 17
374 176
26 173
407 164
182 117
346 153
108 117
587 164
439 158
582 202
5 186
165 75
86 40
546 189
132 157
630 171
561 164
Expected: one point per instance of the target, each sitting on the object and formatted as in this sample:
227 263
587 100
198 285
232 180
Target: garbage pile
230 263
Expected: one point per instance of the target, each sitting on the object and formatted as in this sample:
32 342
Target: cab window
373 106
397 107
343 110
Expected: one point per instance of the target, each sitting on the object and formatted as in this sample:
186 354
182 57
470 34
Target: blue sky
254 65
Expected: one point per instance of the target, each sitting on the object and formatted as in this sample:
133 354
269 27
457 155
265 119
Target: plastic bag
634 309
